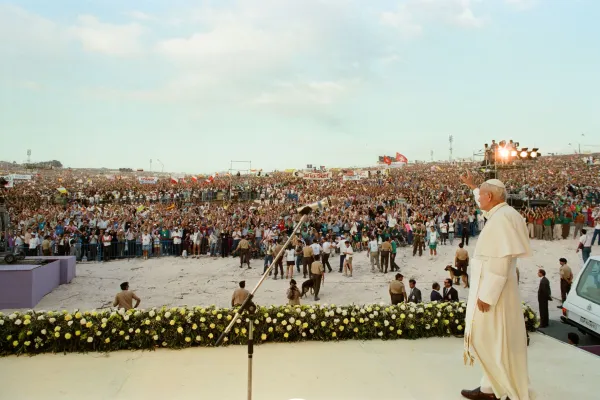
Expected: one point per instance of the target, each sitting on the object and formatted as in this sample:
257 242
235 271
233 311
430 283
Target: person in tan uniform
386 249
124 299
566 278
317 275
461 260
279 263
397 290
293 294
244 248
307 259
239 295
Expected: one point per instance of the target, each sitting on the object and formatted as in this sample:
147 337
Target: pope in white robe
495 331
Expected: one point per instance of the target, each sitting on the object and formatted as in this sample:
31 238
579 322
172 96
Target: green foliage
42 332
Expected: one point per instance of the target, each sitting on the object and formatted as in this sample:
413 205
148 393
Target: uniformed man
244 248
386 249
239 295
279 263
419 239
566 279
397 290
307 259
461 260
317 275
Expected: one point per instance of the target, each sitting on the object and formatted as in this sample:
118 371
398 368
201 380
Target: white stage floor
426 369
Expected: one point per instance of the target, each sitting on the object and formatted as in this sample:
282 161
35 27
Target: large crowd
99 217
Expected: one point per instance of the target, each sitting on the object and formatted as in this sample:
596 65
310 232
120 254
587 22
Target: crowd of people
96 217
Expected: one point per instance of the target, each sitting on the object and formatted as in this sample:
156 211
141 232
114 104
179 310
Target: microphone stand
249 307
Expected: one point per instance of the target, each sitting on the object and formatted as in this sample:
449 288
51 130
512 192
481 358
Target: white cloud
413 16
108 39
141 16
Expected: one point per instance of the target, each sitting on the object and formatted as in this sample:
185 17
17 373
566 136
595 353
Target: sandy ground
427 369
174 281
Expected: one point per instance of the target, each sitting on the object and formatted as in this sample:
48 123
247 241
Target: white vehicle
582 307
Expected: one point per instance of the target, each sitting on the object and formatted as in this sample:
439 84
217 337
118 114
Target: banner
363 174
18 177
148 179
319 176
351 178
401 158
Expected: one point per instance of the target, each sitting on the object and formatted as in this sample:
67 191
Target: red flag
173 180
194 179
401 158
387 160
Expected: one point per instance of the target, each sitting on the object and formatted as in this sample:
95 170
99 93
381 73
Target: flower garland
35 332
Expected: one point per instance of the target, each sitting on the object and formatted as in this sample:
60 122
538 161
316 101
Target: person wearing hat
244 250
293 294
239 295
397 290
494 317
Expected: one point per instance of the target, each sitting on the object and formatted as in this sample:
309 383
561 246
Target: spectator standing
397 290
566 279
293 294
124 299
544 296
585 245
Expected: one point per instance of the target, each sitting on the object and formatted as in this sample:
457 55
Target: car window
589 283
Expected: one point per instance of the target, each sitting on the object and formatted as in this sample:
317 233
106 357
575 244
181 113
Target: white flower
386 322
18 322
127 337
1 322
460 309
289 328
402 307
375 313
303 334
82 321
427 326
151 313
137 314
371 316
313 316
12 316
70 323
393 316
98 333
121 311
419 310
126 317
155 337
57 329
303 314
52 320
112 314
114 330
380 334
412 309
338 310
90 339
292 320
104 320
40 318
130 330
269 320
43 332
439 315
312 331
167 314
410 315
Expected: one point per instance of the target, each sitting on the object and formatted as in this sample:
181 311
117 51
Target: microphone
317 205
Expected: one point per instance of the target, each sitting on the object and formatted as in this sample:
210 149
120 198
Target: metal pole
262 279
250 353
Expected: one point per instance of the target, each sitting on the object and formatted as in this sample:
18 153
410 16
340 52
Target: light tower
450 140
28 156
431 155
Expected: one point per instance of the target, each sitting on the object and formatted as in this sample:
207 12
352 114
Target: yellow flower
219 316
323 323
107 340
68 317
412 327
172 322
459 327
57 334
212 326
263 336
355 330
187 339
214 312
179 330
334 334
77 333
158 318
446 322
229 317
305 325
402 316
202 319
137 330
285 335
67 336
243 331
88 325
29 333
78 315
451 314
210 335
399 331
27 316
270 329
15 343
341 327
346 320
194 327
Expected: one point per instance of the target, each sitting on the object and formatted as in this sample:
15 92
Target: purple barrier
23 286
67 266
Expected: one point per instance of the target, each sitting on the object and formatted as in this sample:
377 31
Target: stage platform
425 369
24 285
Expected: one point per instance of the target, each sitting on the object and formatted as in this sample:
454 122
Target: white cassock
498 338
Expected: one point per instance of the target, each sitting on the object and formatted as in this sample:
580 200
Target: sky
193 85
